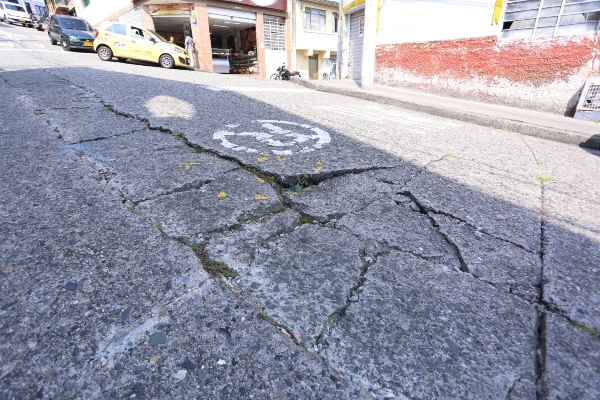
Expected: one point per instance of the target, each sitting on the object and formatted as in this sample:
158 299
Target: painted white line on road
13 36
45 51
257 89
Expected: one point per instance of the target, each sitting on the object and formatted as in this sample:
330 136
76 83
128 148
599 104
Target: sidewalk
527 122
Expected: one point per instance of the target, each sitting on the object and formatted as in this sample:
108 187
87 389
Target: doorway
173 26
313 67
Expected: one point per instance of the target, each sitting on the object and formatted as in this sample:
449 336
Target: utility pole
367 76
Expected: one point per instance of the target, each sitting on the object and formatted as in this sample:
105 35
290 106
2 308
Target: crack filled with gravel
540 354
352 297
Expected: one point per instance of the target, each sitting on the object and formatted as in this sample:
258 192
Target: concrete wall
273 59
403 21
102 10
540 74
451 47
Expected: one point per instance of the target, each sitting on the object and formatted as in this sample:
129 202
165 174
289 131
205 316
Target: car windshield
14 8
75 24
162 39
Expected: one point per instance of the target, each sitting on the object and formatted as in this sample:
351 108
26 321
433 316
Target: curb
525 128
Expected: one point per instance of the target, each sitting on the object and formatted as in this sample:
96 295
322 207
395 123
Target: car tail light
96 30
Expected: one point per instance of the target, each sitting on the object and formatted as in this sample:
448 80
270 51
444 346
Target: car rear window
14 7
75 24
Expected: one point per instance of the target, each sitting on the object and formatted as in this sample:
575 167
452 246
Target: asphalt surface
179 234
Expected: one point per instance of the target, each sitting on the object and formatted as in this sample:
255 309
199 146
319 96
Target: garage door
356 44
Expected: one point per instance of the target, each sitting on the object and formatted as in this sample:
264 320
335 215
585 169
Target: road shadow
234 126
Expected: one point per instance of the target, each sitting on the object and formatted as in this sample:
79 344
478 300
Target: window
40 10
315 19
538 18
118 28
14 7
335 22
74 24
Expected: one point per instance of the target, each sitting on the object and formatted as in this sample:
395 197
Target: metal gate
357 21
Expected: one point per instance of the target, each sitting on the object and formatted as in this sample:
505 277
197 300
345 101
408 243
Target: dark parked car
71 32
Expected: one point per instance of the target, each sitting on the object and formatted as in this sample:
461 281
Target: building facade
314 36
254 34
534 54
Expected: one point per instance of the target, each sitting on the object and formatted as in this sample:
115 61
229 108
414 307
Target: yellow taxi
129 42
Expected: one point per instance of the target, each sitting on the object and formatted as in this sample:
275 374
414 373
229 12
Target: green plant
585 328
215 268
136 212
306 219
158 224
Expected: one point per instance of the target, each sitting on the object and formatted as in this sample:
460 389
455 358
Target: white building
314 35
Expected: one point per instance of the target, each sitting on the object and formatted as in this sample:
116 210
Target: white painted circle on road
282 138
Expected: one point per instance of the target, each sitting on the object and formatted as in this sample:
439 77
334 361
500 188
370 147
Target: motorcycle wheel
275 76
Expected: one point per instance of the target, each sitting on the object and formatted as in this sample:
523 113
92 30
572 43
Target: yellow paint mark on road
259 180
262 159
209 163
260 197
306 189
221 195
188 165
238 179
317 168
154 359
9 268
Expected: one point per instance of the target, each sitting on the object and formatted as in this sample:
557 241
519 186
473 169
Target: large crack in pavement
337 245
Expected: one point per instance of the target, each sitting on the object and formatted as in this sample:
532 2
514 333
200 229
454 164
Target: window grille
274 32
538 18
591 99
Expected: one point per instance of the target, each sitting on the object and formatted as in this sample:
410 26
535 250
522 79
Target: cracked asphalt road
176 234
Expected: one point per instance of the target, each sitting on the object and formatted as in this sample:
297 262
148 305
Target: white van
12 13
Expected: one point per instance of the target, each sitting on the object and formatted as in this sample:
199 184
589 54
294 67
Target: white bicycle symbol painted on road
281 140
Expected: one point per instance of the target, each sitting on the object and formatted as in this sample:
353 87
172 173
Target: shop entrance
233 41
172 26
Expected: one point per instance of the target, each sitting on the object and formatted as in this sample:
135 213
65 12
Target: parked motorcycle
283 74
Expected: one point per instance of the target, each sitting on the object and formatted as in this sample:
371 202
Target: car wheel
105 53
65 45
52 40
166 61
